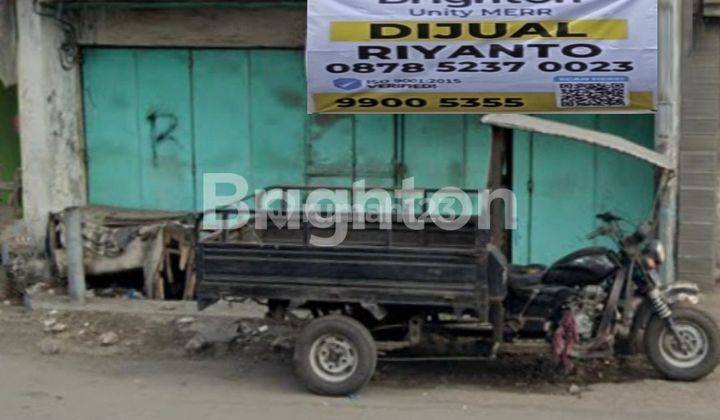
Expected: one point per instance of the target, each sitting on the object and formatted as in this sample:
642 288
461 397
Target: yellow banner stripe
444 31
533 102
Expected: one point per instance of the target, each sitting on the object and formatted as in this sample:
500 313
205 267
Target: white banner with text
481 56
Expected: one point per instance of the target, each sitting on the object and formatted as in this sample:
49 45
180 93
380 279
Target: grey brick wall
699 229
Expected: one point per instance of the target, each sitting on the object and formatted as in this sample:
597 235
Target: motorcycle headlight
656 251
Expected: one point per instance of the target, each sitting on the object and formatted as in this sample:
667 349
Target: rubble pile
223 336
21 264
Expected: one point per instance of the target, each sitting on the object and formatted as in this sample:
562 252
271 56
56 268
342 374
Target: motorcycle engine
588 310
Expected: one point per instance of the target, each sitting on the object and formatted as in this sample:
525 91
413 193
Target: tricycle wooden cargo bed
447 272
428 291
363 275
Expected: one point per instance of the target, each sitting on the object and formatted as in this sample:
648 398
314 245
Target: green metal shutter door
138 128
221 110
238 111
243 111
561 185
447 151
111 128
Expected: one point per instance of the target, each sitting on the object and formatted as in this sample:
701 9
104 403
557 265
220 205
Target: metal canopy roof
617 143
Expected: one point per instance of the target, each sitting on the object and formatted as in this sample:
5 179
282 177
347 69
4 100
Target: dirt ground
53 365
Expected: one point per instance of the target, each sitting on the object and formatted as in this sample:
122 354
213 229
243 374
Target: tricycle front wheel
335 355
700 353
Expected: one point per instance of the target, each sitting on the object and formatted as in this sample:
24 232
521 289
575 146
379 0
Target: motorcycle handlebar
597 232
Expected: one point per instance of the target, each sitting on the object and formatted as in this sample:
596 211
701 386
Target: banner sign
481 56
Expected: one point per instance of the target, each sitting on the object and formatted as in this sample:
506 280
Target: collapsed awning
572 132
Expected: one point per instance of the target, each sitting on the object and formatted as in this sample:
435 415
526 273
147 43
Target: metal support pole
668 120
497 179
74 248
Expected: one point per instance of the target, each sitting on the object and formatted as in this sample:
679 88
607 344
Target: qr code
577 95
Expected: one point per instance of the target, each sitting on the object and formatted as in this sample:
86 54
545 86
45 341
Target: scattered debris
58 327
89 294
137 342
160 244
116 292
134 294
244 329
283 343
49 346
574 389
109 292
36 288
109 338
48 323
186 320
262 328
4 283
51 325
25 267
196 344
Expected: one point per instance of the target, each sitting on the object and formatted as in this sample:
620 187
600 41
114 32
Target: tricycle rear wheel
335 355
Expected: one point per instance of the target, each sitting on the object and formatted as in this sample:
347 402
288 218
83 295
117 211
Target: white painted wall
52 152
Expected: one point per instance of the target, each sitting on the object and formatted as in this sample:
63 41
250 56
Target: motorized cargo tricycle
396 293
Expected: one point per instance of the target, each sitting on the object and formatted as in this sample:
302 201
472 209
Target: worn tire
352 332
655 328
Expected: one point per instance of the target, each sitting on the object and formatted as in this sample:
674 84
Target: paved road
72 388
141 383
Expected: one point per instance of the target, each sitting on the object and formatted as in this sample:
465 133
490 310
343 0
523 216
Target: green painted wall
9 141
156 120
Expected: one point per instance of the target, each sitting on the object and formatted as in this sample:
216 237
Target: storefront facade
158 97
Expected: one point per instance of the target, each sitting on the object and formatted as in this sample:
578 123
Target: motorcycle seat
525 277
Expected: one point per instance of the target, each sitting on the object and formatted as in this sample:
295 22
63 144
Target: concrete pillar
52 151
668 121
75 260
